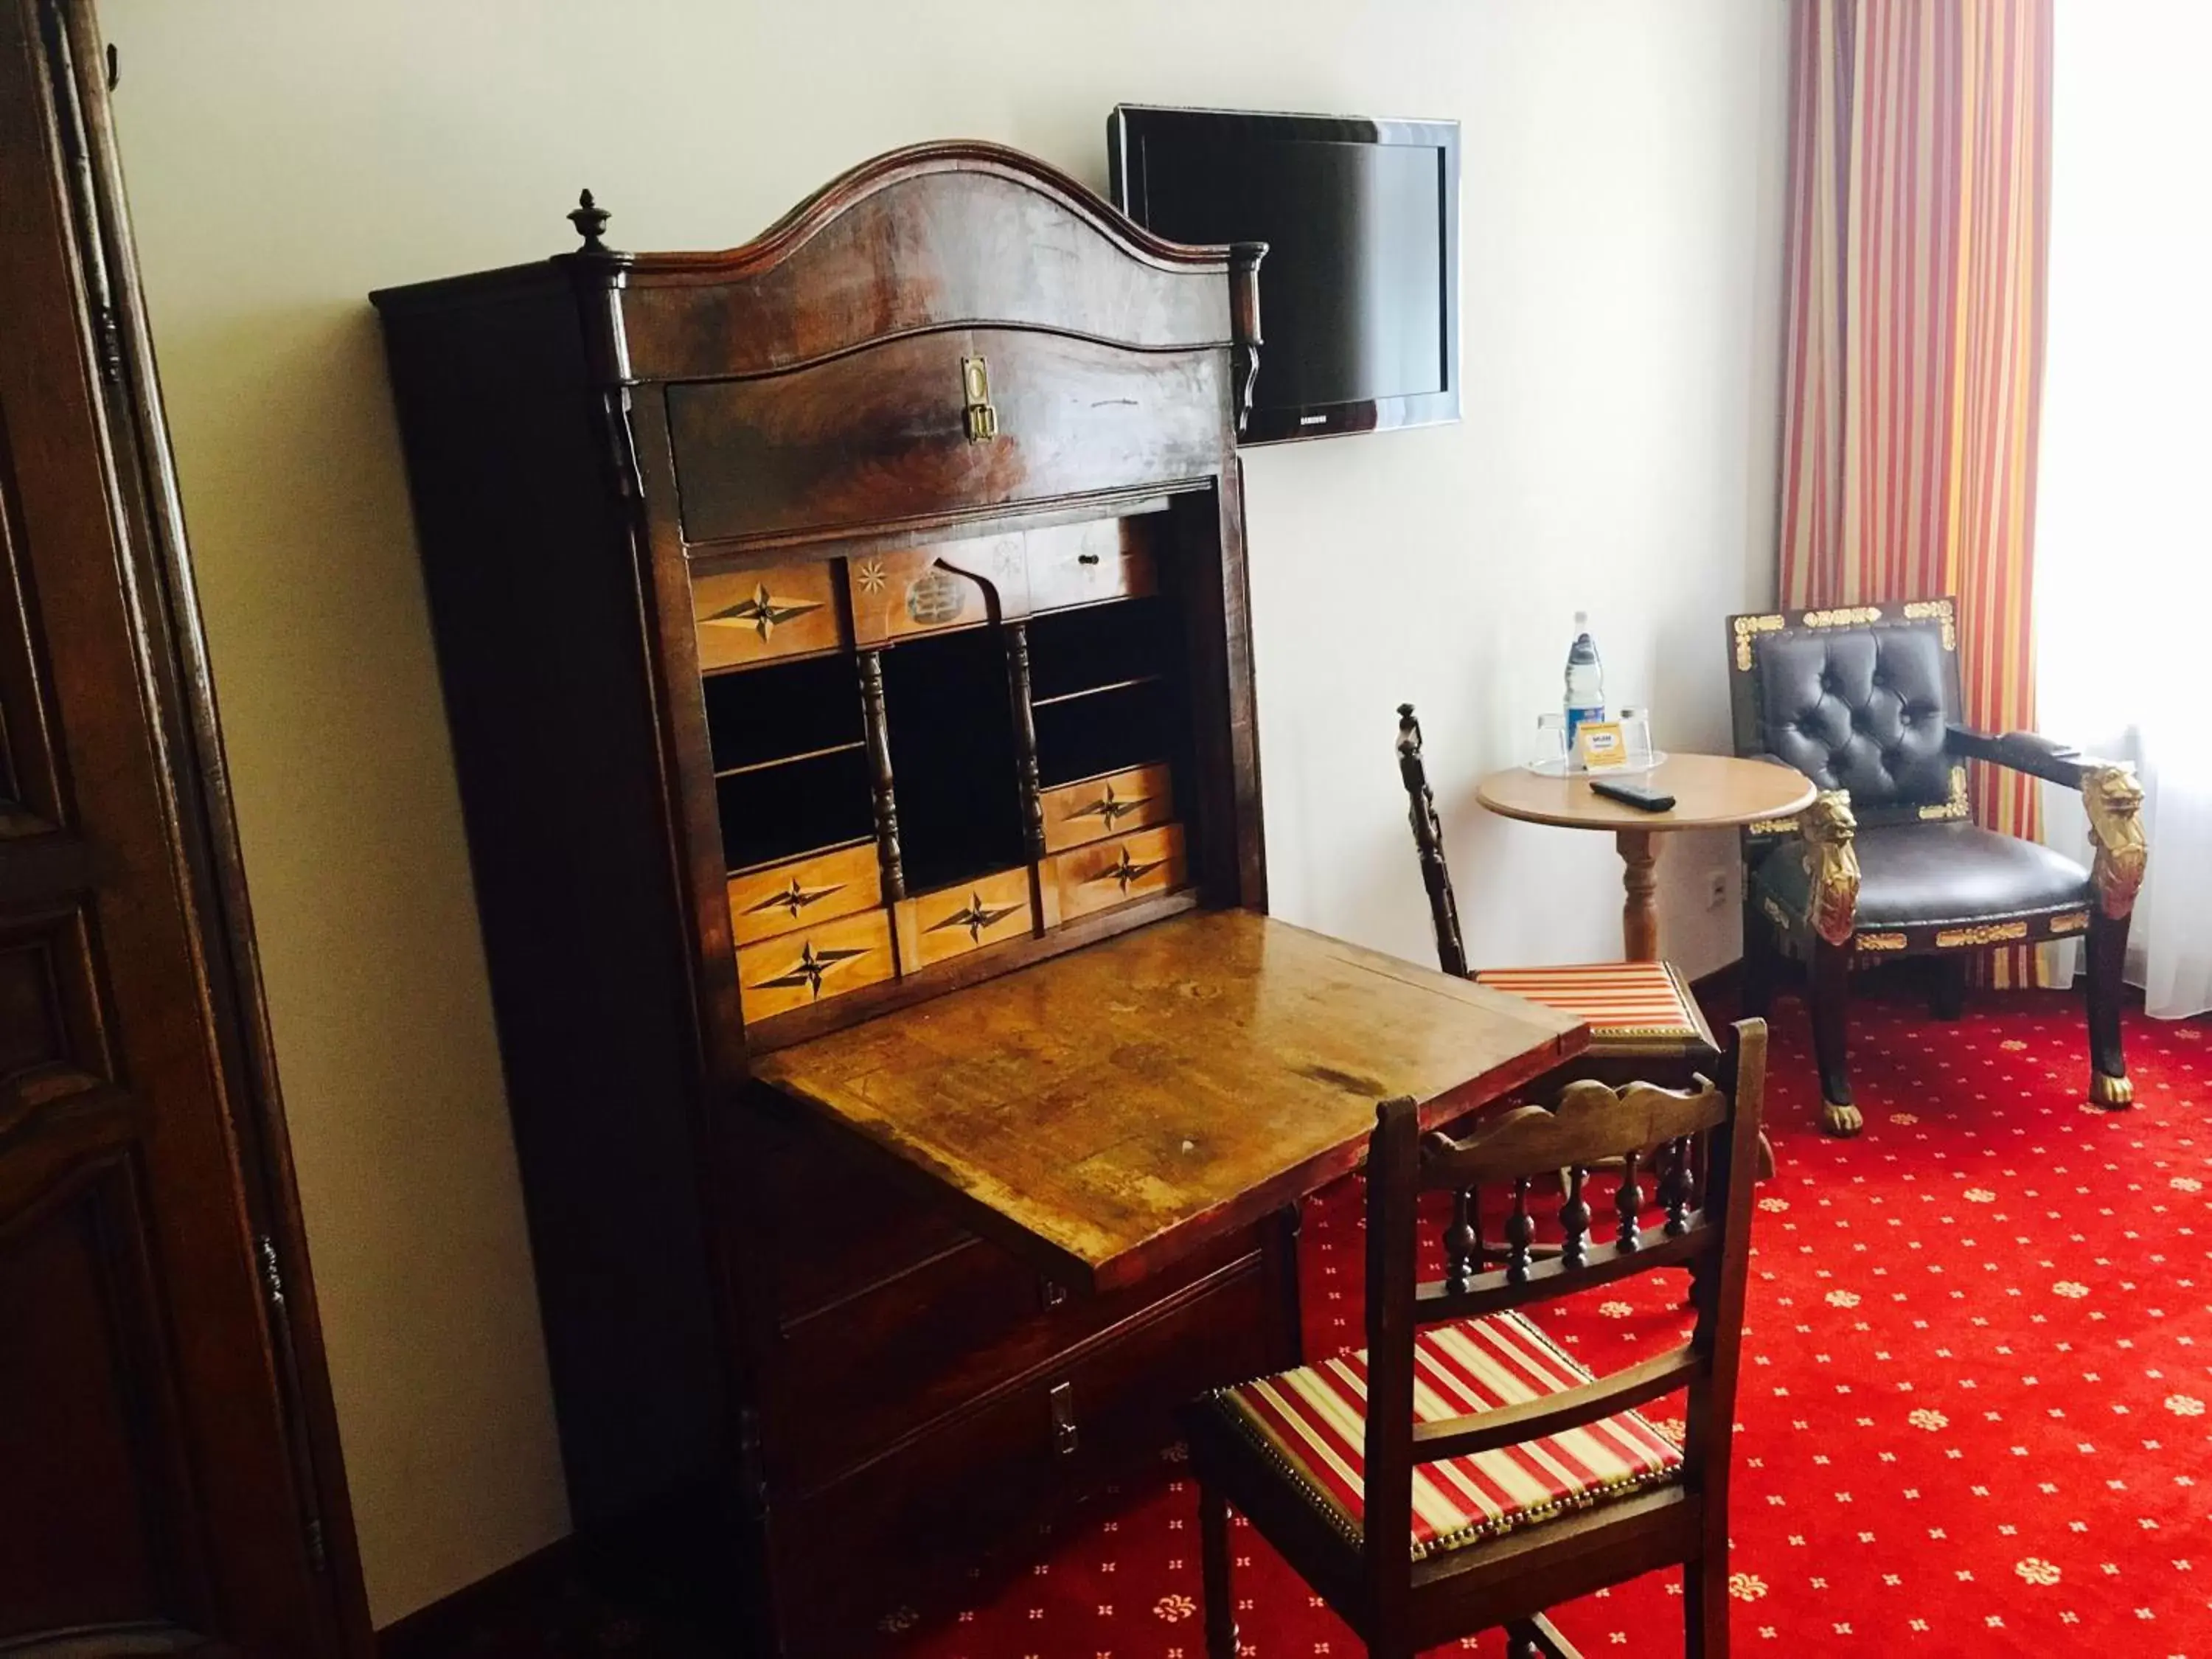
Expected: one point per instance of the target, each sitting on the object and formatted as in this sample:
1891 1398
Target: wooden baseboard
503 1598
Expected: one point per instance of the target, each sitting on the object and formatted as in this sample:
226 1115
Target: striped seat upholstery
1311 1424
1638 1007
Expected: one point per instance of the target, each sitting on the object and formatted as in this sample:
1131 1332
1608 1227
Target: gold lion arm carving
2114 800
1832 864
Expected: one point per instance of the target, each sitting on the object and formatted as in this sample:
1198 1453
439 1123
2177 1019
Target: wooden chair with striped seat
1463 1472
1644 1021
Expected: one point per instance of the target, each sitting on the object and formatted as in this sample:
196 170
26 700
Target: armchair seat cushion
1913 875
1309 1426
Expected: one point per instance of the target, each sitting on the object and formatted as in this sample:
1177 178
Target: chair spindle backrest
1429 842
1703 1223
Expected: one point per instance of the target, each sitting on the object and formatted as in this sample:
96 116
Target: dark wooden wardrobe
169 1472
826 624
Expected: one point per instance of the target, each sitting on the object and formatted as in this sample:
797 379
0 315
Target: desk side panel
535 612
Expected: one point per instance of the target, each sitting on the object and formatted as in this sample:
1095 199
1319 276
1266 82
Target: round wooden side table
1711 791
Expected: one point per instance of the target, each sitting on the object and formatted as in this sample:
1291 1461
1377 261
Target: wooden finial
589 219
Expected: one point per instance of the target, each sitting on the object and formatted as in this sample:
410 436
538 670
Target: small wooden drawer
820 960
803 893
927 590
760 616
1110 873
950 1329
1077 813
929 1506
1084 563
957 919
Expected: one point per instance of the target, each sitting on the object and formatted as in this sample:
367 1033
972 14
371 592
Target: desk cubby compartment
955 779
1103 691
783 710
791 763
1098 645
784 808
1110 730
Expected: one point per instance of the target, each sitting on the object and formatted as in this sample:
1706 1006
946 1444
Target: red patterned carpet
1974 1411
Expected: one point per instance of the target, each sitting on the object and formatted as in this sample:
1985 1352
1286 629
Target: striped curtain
1920 175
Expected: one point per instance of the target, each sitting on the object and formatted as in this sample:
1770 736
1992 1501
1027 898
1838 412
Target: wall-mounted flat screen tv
1360 291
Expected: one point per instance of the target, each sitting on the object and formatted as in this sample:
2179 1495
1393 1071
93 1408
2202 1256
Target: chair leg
1705 1608
1537 1639
1947 986
1760 959
1831 1010
1213 1562
2109 1086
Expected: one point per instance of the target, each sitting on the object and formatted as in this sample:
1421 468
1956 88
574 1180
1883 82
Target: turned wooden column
1639 913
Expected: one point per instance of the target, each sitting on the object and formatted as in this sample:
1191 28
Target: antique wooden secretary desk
844 641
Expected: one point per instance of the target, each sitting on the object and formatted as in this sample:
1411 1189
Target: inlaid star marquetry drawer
1110 873
814 962
926 590
804 892
759 616
957 919
1077 813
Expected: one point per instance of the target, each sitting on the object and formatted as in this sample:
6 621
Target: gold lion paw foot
2113 1093
1840 1119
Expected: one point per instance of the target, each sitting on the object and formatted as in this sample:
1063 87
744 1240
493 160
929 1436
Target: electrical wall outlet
1717 887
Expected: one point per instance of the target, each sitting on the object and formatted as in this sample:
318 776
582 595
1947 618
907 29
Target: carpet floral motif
1973 1418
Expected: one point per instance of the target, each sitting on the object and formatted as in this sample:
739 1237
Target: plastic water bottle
1585 681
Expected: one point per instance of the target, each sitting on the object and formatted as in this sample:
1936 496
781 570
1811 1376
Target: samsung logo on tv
1314 420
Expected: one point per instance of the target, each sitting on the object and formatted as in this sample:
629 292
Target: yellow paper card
1601 744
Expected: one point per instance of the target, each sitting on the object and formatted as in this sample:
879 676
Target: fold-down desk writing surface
1105 1111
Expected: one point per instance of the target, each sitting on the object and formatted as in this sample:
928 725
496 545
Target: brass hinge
622 443
752 1474
272 1287
980 418
272 1278
77 157
1062 1398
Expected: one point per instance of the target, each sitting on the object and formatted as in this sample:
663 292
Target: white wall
1621 211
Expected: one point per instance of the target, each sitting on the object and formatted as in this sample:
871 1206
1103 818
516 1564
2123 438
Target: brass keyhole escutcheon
980 418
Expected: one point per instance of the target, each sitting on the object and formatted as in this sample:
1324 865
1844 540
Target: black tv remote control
1634 794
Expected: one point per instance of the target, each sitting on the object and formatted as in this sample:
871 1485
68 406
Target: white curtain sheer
2123 525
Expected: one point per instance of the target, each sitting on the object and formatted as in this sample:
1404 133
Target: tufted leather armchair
1864 701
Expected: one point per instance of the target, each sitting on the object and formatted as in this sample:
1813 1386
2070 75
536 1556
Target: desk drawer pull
1063 1418
1051 1292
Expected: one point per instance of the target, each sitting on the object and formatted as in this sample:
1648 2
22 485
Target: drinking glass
1550 752
1636 738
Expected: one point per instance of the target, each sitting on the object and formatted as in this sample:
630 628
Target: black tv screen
1360 291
